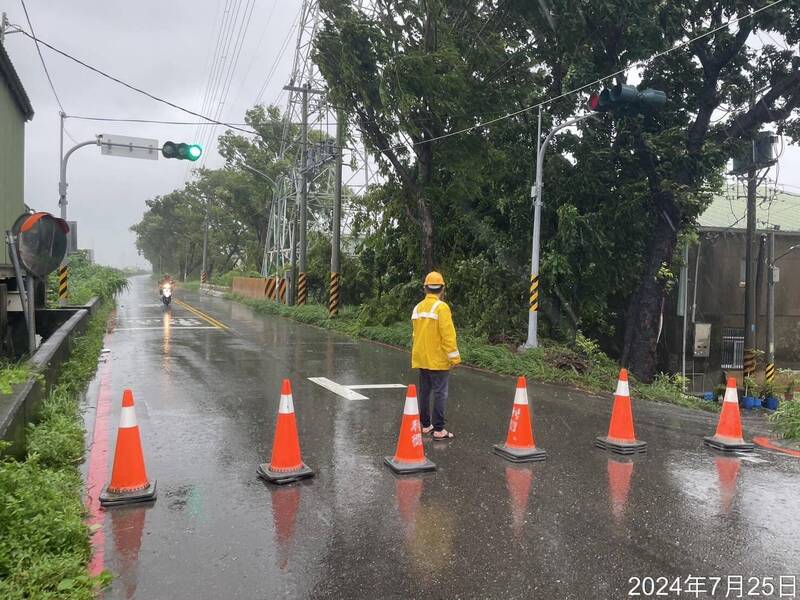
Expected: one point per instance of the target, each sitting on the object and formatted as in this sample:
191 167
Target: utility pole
302 286
204 271
333 293
760 261
769 374
749 276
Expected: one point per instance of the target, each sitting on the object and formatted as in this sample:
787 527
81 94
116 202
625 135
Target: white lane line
340 390
377 386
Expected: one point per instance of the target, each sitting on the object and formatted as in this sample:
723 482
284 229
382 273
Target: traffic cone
519 446
128 477
286 464
728 437
409 457
621 437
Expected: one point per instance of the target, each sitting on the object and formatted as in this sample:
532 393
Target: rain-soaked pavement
584 524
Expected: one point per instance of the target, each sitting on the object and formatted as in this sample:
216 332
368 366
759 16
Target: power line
133 120
41 58
130 86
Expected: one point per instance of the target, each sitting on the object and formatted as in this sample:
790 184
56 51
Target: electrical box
702 340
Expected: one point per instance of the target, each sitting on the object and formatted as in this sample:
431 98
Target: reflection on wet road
207 375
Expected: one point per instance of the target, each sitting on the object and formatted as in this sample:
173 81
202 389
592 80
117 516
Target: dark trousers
436 382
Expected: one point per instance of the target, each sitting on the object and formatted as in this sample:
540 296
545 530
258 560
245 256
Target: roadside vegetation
786 419
44 542
87 280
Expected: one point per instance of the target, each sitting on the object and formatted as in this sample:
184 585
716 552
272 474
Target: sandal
427 430
447 435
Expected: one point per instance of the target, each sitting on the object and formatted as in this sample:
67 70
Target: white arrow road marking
338 389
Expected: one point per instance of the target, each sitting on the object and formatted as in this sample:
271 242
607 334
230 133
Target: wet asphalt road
578 525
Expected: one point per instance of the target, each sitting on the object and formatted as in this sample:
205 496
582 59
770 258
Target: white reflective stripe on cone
521 396
286 406
622 388
411 407
127 417
731 395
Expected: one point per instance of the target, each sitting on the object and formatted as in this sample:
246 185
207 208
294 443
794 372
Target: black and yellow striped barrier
769 373
302 289
534 300
269 290
203 277
282 290
63 284
749 363
333 296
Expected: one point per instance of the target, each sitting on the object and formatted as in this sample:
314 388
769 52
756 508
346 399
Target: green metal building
15 110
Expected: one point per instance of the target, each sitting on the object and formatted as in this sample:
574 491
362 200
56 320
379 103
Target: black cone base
620 447
119 498
281 477
518 455
401 467
728 445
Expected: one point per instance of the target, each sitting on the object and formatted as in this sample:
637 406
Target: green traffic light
195 152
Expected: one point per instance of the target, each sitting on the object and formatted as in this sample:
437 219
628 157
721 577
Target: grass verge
44 542
786 419
581 365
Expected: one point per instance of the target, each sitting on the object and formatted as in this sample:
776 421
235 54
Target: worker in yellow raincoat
434 352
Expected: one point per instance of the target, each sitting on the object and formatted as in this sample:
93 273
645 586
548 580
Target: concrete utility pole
204 271
302 286
336 225
769 373
749 277
536 194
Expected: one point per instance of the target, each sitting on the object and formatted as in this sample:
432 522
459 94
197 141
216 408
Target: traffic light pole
536 194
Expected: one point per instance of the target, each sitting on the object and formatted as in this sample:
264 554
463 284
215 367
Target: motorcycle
166 295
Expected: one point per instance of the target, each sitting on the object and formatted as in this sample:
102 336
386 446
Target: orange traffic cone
286 464
409 457
128 477
621 438
519 446
728 437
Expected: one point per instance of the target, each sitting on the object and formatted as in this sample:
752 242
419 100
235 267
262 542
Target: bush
787 419
87 280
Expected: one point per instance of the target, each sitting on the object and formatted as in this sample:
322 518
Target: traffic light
626 99
181 151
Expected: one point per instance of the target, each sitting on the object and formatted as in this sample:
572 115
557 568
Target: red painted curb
98 464
767 443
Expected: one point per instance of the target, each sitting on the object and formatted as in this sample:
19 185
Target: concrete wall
12 156
720 300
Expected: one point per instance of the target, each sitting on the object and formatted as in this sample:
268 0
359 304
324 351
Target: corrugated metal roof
8 73
728 210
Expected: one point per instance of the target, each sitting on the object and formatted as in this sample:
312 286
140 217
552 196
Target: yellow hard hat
434 278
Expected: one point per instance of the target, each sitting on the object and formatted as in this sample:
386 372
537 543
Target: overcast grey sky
164 47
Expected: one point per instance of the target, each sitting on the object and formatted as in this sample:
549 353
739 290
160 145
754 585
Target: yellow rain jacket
434 337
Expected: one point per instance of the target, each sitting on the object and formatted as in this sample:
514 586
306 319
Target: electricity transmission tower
308 141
